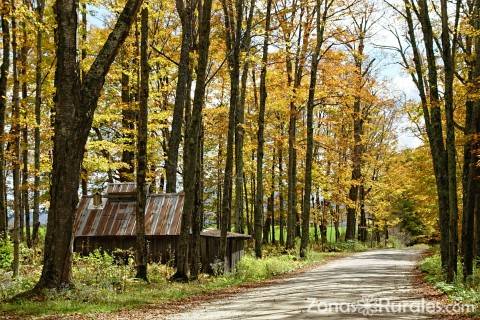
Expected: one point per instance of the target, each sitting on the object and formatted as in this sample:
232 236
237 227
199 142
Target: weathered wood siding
162 248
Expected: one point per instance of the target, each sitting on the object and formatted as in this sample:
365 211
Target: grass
330 233
102 286
458 291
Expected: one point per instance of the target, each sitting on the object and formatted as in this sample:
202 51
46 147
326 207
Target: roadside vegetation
466 291
103 284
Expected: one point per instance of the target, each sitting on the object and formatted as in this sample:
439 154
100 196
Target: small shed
107 222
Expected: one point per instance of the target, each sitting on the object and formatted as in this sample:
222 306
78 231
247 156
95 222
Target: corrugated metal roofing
116 217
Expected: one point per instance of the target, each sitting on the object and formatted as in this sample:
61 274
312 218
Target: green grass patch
330 233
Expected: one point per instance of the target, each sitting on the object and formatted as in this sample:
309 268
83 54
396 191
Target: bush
250 268
395 242
6 254
349 246
9 287
100 270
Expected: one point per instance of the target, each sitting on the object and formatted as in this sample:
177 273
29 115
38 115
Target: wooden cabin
107 222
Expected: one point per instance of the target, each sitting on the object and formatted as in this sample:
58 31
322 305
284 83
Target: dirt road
368 285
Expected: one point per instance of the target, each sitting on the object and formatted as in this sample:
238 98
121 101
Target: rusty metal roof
116 217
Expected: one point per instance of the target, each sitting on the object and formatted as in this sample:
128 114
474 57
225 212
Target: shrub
10 287
431 266
250 268
100 270
217 267
349 246
395 242
6 254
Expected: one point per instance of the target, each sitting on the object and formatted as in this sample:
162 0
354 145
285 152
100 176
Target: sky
400 83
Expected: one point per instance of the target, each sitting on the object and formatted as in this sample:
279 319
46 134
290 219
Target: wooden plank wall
162 248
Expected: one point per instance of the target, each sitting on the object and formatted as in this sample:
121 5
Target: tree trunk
247 204
448 54
357 155
239 130
294 77
24 145
320 26
281 213
38 107
128 127
83 32
439 148
16 148
75 104
362 227
336 223
142 136
192 141
432 117
292 178
266 225
316 203
197 214
219 185
323 223
258 214
251 222
269 224
233 41
272 198
3 106
185 11
471 186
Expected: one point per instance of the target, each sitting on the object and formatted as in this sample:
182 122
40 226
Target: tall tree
272 198
233 34
427 85
439 154
448 54
192 141
185 9
258 213
128 124
362 23
142 135
83 56
240 119
294 66
75 104
281 213
292 152
321 18
471 185
5 9
15 131
198 212
24 144
38 108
